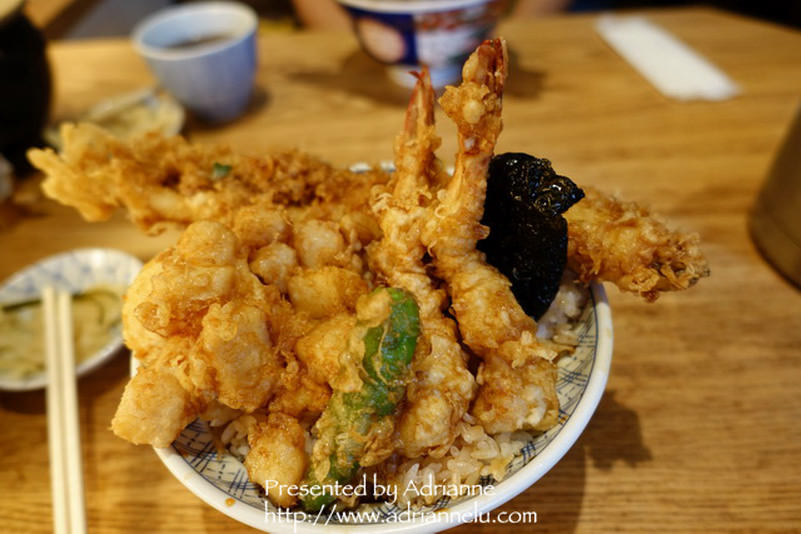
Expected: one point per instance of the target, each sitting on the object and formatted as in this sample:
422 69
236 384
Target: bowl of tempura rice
478 473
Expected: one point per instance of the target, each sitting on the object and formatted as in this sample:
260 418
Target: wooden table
56 17
699 427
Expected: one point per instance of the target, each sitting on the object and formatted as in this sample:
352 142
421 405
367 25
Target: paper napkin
670 65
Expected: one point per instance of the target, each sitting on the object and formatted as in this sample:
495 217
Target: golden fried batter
167 180
623 243
206 322
276 457
154 408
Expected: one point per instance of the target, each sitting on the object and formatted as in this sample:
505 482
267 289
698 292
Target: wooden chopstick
55 422
66 473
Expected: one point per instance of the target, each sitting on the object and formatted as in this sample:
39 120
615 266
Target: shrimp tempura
622 243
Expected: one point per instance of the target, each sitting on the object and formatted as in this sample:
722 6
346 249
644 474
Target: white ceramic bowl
74 271
213 79
222 481
405 34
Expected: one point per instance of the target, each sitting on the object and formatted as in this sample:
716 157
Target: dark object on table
528 235
24 85
775 219
787 12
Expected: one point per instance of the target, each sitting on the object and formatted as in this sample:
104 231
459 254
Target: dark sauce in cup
194 42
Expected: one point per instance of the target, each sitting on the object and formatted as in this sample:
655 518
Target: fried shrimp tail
475 106
415 146
623 243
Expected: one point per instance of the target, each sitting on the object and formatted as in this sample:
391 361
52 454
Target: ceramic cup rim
147 28
410 6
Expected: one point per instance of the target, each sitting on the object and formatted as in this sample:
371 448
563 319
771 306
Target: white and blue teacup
204 54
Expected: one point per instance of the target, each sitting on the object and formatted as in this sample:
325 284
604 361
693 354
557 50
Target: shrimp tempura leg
443 387
622 243
491 321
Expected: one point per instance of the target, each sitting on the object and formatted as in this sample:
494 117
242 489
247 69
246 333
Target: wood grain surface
699 427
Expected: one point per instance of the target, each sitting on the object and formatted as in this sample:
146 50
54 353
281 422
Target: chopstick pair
64 439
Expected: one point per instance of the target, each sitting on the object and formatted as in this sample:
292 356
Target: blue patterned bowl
73 271
405 34
222 481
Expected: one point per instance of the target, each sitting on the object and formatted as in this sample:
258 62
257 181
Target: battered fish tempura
167 180
250 321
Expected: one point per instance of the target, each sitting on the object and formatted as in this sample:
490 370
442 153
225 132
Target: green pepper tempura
352 419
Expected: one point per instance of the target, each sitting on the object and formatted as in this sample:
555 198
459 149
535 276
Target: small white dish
204 53
75 271
222 480
129 115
